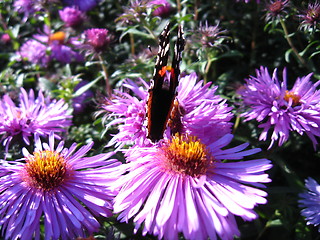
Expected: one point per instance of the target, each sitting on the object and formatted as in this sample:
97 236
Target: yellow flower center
186 155
45 170
291 95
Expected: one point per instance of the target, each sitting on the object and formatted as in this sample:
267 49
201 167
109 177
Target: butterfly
162 92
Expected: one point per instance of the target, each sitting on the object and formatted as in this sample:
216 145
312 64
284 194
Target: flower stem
106 77
179 6
206 71
132 47
287 37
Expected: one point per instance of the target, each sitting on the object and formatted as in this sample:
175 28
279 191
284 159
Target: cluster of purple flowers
277 9
194 182
187 171
43 48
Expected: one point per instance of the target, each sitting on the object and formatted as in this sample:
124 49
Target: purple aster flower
64 53
60 186
184 186
83 5
311 16
35 52
32 116
310 201
27 7
97 40
61 49
162 8
198 111
269 101
71 16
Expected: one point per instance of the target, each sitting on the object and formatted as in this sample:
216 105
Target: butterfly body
165 80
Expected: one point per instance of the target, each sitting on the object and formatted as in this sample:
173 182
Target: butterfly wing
163 91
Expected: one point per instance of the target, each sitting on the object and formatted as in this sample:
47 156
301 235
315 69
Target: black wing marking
161 92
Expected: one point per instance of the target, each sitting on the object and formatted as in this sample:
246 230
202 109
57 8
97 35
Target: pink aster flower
162 8
184 186
200 112
269 101
71 16
57 186
33 115
5 38
97 40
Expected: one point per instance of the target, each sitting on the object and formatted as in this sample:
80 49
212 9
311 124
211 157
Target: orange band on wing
164 69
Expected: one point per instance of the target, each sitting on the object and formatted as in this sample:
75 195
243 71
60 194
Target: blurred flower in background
135 12
276 9
83 5
5 38
46 47
81 102
209 36
311 17
72 17
58 187
310 201
35 52
246 1
27 7
162 8
96 40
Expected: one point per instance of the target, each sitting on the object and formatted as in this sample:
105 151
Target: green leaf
85 88
287 55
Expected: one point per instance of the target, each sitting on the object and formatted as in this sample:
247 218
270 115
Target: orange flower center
186 155
291 95
58 36
45 170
